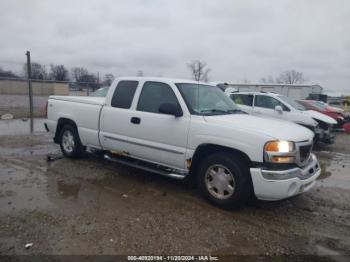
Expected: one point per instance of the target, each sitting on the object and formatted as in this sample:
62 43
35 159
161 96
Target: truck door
157 137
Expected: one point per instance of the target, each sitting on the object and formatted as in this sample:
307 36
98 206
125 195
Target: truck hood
335 109
322 117
274 128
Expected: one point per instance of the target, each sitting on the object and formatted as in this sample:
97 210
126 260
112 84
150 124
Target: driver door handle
135 120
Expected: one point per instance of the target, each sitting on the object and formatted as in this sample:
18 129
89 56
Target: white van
283 107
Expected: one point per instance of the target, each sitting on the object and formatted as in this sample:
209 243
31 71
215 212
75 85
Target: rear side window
124 94
153 95
246 100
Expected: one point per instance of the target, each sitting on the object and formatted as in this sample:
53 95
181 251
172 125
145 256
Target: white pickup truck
182 128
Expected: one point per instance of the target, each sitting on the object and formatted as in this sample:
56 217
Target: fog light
283 159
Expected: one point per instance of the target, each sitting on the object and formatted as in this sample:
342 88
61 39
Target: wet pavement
20 126
92 206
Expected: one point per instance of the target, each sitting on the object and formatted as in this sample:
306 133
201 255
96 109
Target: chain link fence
14 95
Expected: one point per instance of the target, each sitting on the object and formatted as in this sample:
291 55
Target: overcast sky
240 40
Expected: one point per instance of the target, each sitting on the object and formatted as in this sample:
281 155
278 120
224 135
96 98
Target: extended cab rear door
115 117
144 133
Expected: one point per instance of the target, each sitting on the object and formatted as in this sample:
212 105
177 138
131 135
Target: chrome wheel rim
68 141
220 181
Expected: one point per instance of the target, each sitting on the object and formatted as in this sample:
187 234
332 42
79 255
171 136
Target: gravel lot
92 206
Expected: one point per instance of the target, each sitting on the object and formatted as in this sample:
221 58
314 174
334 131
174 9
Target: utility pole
98 79
29 72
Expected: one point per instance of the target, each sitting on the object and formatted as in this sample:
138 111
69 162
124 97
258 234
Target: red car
322 108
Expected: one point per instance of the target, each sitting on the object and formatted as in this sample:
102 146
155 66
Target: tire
70 142
224 180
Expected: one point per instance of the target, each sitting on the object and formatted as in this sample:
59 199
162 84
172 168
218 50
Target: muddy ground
92 206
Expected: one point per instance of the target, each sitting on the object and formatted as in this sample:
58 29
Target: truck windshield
206 100
292 103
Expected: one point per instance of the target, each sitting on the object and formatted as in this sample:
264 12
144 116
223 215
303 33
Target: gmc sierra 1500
181 128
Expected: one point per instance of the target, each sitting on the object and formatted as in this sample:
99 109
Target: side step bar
153 168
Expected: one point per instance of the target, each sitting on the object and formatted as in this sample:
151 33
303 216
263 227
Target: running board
153 168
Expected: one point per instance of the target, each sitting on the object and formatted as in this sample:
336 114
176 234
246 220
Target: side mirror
170 109
279 109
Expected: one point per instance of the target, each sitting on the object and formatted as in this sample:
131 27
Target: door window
124 94
153 95
240 99
268 102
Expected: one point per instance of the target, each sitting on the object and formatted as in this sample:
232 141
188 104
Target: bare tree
38 71
286 77
108 79
7 73
79 73
139 73
83 78
199 70
58 73
291 77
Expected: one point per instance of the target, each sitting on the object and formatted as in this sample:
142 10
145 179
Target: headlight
279 152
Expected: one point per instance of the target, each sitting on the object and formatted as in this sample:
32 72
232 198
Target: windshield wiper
235 111
231 111
213 111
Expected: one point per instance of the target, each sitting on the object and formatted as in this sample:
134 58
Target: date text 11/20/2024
173 258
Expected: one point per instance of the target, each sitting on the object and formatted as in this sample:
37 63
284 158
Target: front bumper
325 136
275 185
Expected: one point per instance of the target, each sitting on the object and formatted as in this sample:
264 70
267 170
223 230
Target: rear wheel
70 142
223 180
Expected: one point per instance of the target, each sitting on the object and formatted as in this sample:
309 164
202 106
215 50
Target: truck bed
83 110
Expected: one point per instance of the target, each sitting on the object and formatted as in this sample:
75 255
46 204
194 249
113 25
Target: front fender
253 150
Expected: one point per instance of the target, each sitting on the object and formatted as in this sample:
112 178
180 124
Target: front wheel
70 142
224 180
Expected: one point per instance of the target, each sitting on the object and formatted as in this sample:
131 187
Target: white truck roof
256 93
161 79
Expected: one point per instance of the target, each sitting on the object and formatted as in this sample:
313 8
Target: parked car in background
181 128
283 107
294 91
101 92
329 106
323 108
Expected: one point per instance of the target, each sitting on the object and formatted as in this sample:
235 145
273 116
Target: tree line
80 75
199 72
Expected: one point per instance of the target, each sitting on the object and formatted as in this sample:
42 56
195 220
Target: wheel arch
204 150
61 123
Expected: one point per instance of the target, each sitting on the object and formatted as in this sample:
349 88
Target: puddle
20 127
335 170
68 190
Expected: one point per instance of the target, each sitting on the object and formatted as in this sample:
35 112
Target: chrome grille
304 152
